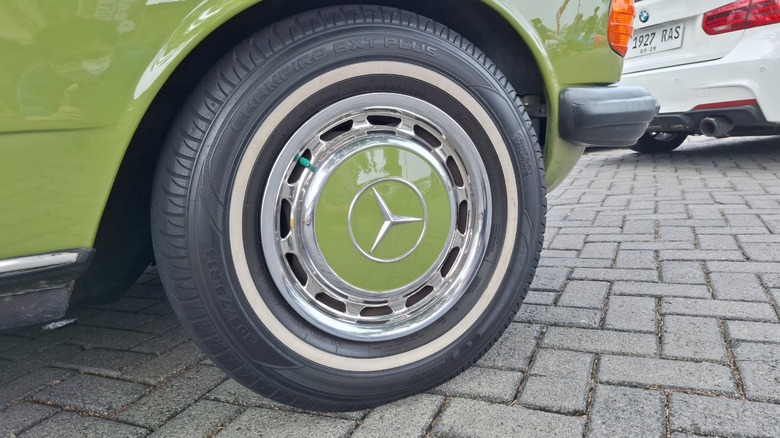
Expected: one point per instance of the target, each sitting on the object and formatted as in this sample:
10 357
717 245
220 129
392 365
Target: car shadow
767 148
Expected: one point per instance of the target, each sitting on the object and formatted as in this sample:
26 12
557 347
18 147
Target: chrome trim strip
21 264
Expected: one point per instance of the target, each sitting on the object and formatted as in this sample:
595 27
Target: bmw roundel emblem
644 16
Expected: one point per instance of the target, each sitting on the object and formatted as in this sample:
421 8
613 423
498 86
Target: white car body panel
707 69
697 45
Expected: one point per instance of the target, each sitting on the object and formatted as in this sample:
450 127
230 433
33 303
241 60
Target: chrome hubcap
376 215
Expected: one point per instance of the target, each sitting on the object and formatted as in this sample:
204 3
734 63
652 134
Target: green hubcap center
383 218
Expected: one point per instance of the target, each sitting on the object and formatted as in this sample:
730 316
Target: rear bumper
605 116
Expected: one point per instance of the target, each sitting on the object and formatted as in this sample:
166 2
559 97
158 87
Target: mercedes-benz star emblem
644 16
390 220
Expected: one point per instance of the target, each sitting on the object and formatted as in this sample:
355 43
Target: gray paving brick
582 214
762 252
558 381
160 324
44 344
754 238
199 420
753 331
142 289
164 342
129 304
410 417
233 392
614 274
103 362
635 314
21 416
621 238
603 220
71 425
118 320
514 349
633 371
476 418
606 250
558 253
710 242
549 279
600 341
173 397
95 337
155 371
272 423
567 316
635 259
587 294
693 338
724 230
683 272
656 246
20 388
639 226
759 366
7 342
719 309
626 412
568 241
754 267
541 298
681 234
660 289
94 394
737 287
771 280
722 417
700 254
161 308
567 228
484 384
575 263
38 360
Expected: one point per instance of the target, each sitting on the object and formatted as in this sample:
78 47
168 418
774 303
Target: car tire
659 142
349 209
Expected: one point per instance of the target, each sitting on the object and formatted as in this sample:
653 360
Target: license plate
656 39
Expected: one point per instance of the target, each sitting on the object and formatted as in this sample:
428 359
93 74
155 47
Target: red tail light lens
621 25
763 12
741 15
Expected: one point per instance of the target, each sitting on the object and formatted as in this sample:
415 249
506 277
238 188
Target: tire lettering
362 43
427 373
412 46
243 331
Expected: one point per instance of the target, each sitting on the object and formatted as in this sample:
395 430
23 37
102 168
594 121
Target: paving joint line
732 361
437 416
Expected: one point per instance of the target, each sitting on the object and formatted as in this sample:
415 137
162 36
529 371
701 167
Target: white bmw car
713 65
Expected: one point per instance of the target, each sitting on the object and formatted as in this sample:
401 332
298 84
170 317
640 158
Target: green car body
78 77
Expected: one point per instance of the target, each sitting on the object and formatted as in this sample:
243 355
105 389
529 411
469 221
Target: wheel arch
123 239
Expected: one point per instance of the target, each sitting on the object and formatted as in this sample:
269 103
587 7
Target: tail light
740 15
621 25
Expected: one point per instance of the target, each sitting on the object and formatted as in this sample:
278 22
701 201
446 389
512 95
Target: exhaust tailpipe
717 127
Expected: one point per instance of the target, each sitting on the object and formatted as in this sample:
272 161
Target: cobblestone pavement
654 313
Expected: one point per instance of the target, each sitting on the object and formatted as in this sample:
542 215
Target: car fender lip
611 116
